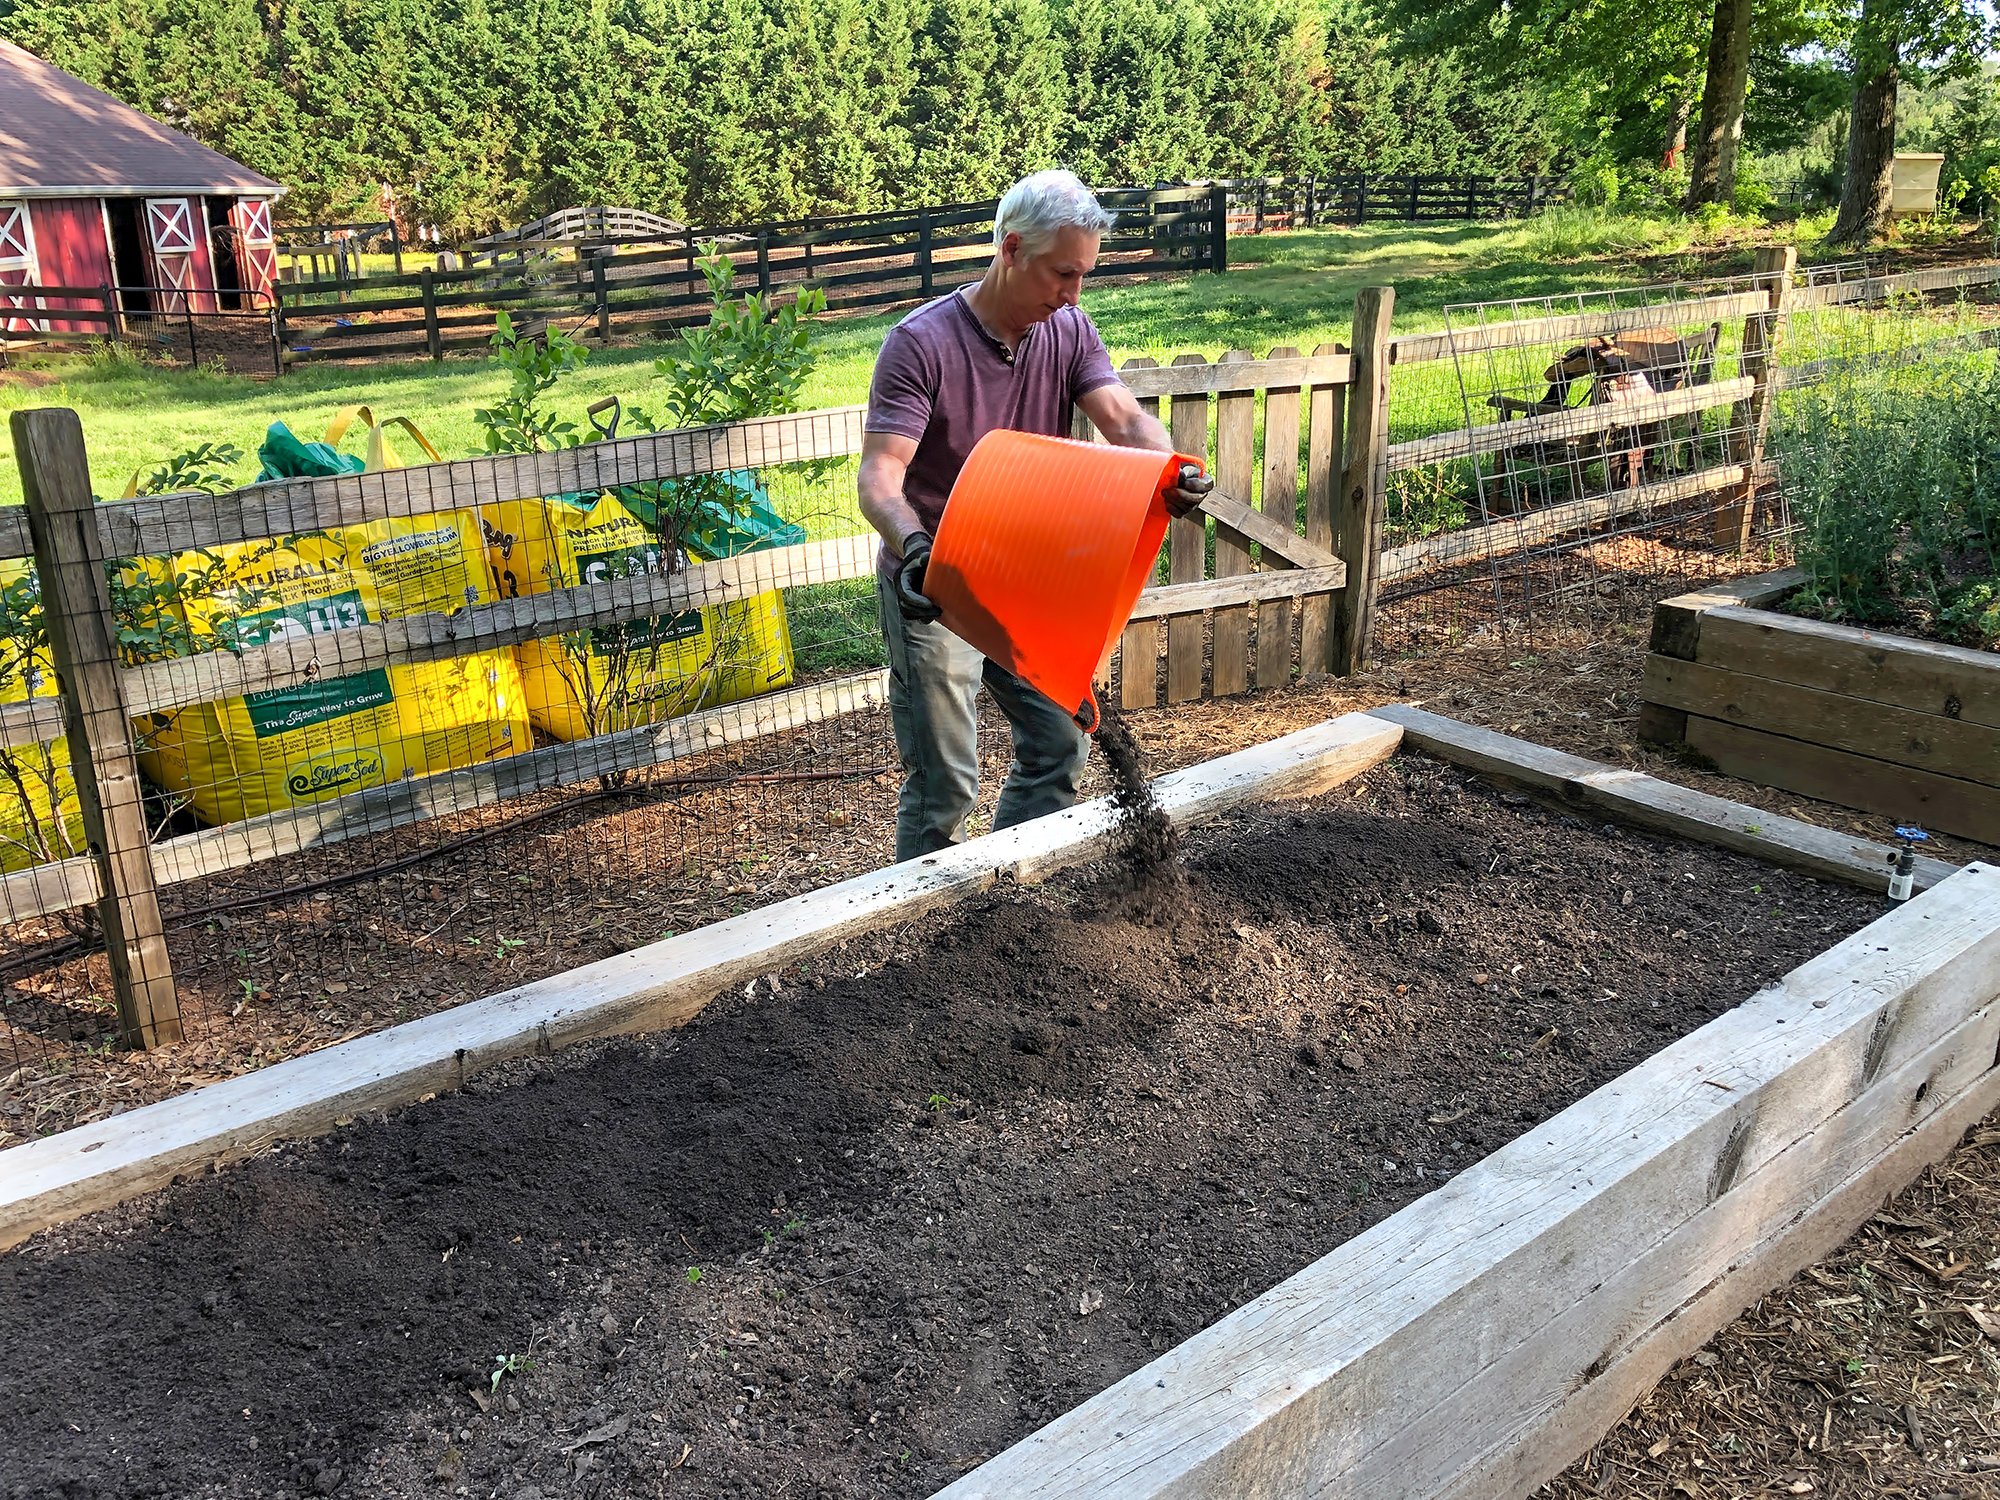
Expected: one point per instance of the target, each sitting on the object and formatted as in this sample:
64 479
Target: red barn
95 194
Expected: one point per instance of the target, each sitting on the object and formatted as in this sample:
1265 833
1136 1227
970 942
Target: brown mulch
1873 1373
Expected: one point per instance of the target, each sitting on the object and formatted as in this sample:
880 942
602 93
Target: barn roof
61 138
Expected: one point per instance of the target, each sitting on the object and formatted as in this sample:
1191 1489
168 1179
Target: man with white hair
1013 351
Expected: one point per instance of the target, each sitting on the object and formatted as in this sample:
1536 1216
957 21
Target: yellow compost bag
40 819
585 683
290 746
753 641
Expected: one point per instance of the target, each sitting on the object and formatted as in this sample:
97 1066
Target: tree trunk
1871 149
1676 136
1713 176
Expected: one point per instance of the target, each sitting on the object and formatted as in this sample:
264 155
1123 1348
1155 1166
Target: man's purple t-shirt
943 381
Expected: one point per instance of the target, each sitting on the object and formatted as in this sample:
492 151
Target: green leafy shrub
1894 479
1595 184
751 359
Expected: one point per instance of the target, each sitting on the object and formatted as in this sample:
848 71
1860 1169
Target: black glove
910 579
1190 489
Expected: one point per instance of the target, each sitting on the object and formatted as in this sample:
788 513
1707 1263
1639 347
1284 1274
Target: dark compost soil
875 1218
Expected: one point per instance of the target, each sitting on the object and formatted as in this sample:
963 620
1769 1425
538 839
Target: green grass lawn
1295 289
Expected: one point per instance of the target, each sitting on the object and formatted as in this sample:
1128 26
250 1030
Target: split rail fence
1282 577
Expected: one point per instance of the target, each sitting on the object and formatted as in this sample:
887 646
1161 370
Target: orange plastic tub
1043 550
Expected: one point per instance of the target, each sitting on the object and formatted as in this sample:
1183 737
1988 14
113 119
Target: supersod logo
319 777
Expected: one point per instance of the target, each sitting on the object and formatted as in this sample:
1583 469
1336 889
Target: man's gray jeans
933 679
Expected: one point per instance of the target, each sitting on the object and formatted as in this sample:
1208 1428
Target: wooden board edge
664 984
1602 1403
1652 803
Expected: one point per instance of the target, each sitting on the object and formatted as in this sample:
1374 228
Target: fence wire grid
360 846
1592 518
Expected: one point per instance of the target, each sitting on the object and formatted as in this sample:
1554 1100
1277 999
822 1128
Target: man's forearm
883 504
1142 430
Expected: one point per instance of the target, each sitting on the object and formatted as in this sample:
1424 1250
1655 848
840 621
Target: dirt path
871 1221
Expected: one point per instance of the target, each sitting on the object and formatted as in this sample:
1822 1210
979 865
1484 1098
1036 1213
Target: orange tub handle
1087 717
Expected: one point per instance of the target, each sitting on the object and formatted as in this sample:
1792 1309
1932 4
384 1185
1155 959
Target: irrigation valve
1903 875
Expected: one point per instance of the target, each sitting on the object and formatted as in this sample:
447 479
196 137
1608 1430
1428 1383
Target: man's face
1046 283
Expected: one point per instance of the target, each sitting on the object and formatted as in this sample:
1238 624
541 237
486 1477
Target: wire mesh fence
1600 455
582 720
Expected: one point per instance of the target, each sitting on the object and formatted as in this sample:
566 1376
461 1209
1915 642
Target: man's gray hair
1037 207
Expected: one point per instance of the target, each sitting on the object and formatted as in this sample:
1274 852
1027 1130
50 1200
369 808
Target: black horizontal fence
607 287
857 261
1261 204
159 322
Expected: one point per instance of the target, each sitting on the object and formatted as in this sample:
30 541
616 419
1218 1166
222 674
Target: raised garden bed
1871 720
945 1182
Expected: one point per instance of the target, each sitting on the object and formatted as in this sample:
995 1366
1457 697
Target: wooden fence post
764 262
926 269
1259 229
1187 546
83 641
114 316
1364 479
1218 227
1361 198
1762 330
433 338
1280 501
601 296
1236 476
396 245
1312 204
1326 413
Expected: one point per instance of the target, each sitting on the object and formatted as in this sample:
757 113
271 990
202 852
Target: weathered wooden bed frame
1472 1345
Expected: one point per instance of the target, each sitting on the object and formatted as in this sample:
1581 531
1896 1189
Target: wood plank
1174 599
1237 374
1235 476
1571 327
1326 414
422 798
97 726
1880 288
33 722
1187 546
1942 804
1531 528
1365 1374
1757 357
1566 425
1660 805
15 540
1765 1220
1897 736
661 985
178 523
43 890
211 676
1280 499
1228 510
1139 644
1364 480
1822 1225
1900 671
